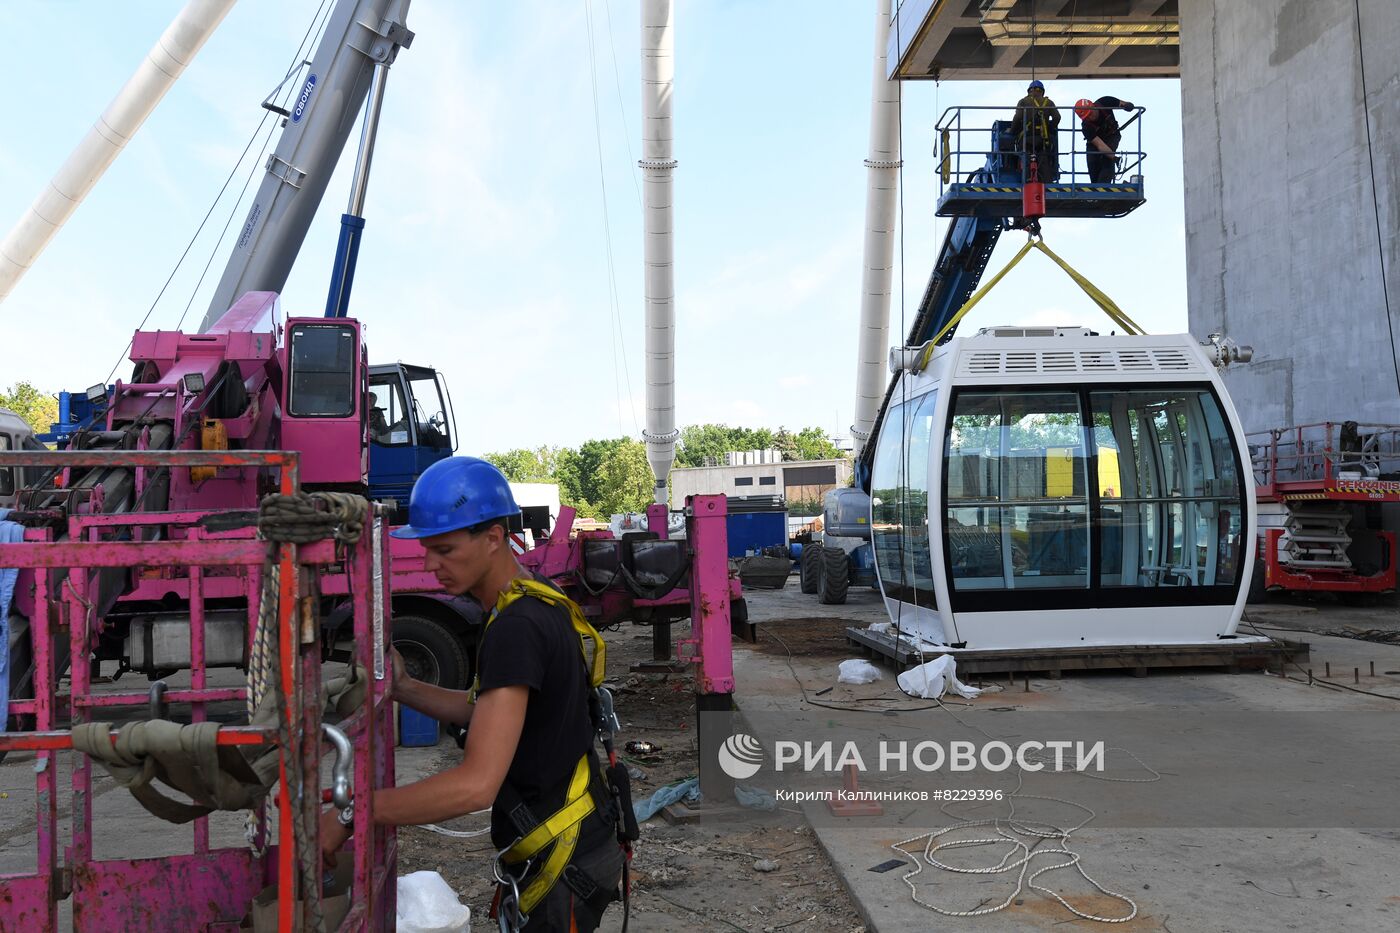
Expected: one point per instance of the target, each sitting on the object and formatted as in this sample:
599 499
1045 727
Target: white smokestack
658 73
164 64
882 186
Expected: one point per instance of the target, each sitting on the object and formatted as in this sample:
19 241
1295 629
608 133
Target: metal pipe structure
658 75
164 64
882 184
352 222
360 35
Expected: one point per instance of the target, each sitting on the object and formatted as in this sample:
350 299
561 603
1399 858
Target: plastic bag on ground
755 798
935 678
688 789
857 671
427 904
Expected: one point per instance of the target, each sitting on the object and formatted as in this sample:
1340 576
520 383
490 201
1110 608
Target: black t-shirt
1103 123
534 645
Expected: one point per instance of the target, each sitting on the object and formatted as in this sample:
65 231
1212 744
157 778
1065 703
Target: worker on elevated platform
531 716
1035 130
1101 135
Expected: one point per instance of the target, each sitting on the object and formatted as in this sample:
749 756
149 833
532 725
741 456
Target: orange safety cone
848 801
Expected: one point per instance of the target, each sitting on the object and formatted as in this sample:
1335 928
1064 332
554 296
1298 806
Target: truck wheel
809 569
431 653
835 578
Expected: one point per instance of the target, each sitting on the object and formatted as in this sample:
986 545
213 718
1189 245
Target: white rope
1010 831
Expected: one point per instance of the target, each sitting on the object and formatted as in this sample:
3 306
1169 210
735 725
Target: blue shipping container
751 532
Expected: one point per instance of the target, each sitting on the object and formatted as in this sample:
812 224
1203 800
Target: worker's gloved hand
1126 105
333 835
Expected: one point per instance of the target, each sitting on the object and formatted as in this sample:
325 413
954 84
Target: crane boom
360 35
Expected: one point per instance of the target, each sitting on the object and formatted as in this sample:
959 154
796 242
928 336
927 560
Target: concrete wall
1282 244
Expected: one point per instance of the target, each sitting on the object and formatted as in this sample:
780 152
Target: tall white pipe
164 64
882 186
658 74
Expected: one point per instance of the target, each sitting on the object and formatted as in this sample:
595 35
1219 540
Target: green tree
813 444
699 442
38 408
624 478
524 465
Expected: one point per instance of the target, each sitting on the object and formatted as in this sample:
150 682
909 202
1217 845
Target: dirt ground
690 876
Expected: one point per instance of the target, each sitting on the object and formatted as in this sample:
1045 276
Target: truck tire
836 576
809 569
431 653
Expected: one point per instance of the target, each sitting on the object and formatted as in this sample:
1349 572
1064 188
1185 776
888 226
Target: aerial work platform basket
983 168
210 889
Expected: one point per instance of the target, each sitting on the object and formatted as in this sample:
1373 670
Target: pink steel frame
209 890
711 591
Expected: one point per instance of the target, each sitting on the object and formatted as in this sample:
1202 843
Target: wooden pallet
1233 656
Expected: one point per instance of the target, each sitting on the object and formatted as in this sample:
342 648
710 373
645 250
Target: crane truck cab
411 427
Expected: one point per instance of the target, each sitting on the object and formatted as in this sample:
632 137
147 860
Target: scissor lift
1309 480
211 889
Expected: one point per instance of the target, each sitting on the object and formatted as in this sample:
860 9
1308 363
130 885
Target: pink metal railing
1315 455
210 889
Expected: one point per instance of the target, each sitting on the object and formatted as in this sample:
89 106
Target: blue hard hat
456 493
1036 86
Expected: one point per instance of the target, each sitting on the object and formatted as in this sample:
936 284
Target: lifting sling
1106 303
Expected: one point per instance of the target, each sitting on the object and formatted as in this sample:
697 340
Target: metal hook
344 762
159 708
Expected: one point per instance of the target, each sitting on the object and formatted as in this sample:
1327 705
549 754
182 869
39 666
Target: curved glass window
899 501
1170 506
1091 496
1017 515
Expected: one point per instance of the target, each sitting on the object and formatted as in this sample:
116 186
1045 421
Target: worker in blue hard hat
530 715
1035 129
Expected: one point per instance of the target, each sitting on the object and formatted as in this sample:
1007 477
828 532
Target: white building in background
803 481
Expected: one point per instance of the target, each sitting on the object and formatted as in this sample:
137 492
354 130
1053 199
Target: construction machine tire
836 576
809 569
431 653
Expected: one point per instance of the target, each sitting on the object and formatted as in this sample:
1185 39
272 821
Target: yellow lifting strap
1103 301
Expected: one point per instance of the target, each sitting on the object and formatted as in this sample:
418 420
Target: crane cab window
322 371
388 416
428 409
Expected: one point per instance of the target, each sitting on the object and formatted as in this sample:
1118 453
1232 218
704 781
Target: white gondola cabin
1048 487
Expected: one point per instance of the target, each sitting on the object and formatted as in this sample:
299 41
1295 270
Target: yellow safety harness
560 831
1103 301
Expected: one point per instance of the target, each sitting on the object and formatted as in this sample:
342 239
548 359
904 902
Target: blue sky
485 253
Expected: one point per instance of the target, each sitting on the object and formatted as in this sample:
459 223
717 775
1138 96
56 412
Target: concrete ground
1200 879
1181 880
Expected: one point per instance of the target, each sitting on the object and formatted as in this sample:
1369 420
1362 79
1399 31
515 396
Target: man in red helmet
1101 135
531 716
